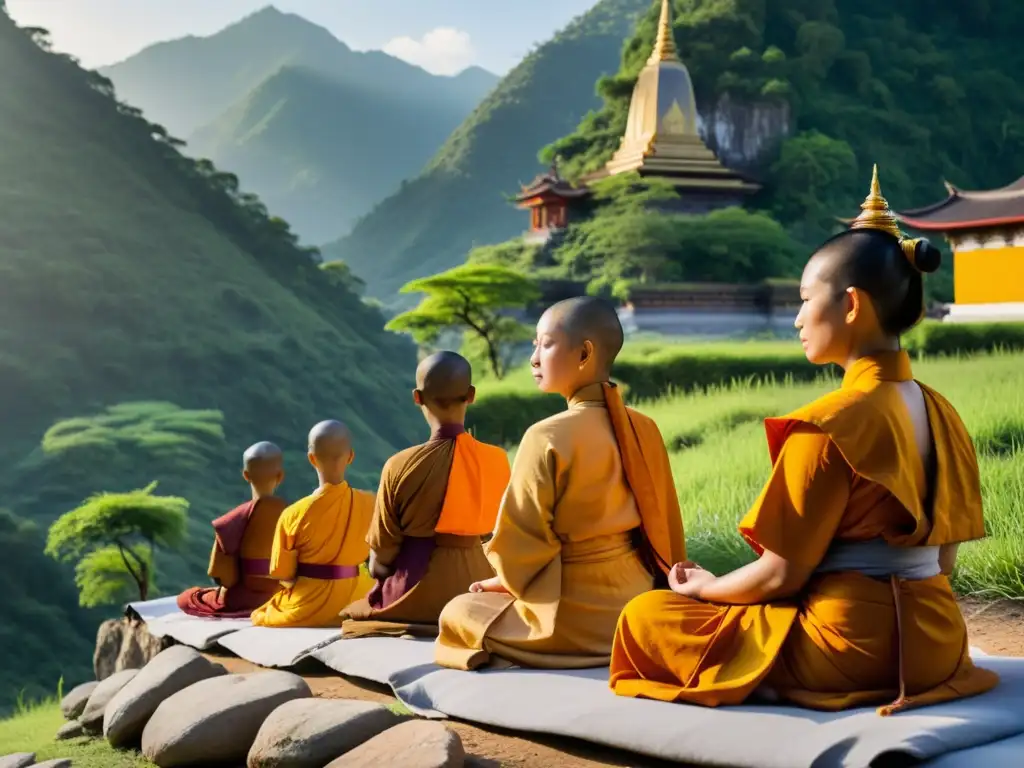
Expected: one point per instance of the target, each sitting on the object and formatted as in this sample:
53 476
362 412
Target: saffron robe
590 515
326 529
846 469
239 563
434 503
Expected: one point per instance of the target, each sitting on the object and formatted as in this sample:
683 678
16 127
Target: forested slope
131 273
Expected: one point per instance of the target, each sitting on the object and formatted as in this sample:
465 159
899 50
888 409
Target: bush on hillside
935 338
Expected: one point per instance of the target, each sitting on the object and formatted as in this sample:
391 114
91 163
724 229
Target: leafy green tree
129 525
172 437
813 181
475 299
338 273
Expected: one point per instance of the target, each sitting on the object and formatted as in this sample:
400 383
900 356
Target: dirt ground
996 628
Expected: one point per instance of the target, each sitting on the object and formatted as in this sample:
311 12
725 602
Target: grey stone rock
18 760
308 733
124 644
413 744
108 645
60 762
92 716
72 730
74 703
216 720
173 670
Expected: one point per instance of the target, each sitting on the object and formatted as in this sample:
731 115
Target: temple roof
551 183
966 209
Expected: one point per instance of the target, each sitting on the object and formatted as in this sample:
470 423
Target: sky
442 36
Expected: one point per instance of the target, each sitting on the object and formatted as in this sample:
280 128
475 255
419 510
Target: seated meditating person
873 486
320 541
242 539
434 503
590 518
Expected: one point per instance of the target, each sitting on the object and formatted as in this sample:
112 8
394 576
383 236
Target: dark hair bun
927 258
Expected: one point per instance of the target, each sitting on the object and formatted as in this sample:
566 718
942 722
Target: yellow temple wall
989 275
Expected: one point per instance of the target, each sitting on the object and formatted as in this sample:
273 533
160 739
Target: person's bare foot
492 584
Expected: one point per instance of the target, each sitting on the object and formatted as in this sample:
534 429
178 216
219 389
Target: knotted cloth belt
876 558
327 572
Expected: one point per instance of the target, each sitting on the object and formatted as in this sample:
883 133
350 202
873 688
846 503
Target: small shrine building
986 232
552 202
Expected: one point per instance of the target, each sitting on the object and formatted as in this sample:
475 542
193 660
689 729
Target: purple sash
327 572
408 569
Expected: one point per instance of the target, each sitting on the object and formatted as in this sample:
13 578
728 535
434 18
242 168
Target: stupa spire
665 44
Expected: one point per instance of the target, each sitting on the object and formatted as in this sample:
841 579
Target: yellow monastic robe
320 544
574 541
846 469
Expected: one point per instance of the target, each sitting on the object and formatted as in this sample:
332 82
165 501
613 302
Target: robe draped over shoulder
319 543
239 562
846 469
434 503
589 503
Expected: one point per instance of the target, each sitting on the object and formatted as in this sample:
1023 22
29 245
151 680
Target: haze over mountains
319 131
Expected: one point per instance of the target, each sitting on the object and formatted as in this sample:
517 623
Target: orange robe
589 517
846 469
435 502
319 544
239 562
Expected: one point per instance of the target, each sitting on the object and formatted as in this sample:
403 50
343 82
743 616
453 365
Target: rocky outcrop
216 721
168 673
309 733
18 760
124 644
743 133
92 716
416 744
74 703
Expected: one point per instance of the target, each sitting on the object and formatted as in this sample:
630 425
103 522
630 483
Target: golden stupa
661 136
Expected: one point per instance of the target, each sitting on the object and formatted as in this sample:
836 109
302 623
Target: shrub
936 338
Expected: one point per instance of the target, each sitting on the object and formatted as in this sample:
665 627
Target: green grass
720 461
33 726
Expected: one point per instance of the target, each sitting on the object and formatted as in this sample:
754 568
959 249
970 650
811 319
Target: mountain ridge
187 82
542 99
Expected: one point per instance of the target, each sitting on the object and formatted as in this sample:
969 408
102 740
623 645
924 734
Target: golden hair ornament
875 214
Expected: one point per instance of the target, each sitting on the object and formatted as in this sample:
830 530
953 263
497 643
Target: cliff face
744 133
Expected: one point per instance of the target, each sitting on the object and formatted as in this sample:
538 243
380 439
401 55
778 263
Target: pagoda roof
967 209
551 183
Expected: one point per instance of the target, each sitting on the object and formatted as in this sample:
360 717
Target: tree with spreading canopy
113 536
475 299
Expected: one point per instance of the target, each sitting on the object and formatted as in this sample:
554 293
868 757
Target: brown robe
239 563
450 483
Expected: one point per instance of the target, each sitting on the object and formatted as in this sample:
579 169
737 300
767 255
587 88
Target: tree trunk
492 356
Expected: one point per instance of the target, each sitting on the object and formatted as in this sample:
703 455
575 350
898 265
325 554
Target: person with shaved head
243 538
320 541
435 502
589 521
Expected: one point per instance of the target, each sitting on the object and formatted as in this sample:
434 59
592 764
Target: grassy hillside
321 150
131 273
460 199
186 83
866 81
